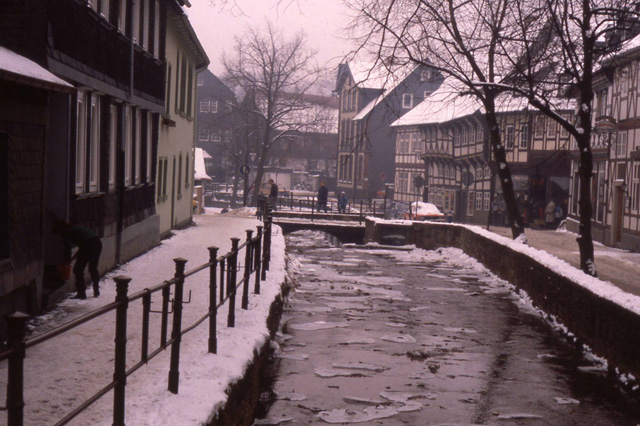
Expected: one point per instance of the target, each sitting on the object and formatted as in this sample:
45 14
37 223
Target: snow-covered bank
63 372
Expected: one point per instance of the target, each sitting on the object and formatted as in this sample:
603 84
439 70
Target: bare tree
553 48
277 72
460 39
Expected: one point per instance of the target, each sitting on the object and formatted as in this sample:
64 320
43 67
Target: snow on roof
366 75
391 82
18 68
199 170
445 104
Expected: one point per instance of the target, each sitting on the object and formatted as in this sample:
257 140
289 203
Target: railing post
223 265
232 282
16 323
146 309
258 261
213 305
120 372
176 332
247 270
266 250
164 322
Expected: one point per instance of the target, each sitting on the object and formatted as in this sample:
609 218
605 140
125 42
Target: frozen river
398 337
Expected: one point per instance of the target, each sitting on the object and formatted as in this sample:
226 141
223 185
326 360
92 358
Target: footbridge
347 228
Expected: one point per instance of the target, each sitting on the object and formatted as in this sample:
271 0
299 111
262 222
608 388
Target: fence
223 288
360 206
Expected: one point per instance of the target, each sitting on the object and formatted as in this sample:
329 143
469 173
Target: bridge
347 228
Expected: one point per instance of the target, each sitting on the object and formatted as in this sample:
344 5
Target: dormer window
407 100
426 74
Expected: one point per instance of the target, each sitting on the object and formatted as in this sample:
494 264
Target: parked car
424 211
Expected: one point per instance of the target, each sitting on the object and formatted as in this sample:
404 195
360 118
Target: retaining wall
610 330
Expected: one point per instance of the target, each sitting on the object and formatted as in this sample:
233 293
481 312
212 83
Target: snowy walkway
63 372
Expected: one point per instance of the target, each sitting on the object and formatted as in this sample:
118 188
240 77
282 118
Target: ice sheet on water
458 289
361 341
315 309
364 401
291 396
566 401
327 373
398 338
318 325
395 324
421 376
460 330
293 357
513 416
359 366
272 422
418 308
351 416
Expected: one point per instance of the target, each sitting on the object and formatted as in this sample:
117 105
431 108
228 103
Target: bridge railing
360 206
224 285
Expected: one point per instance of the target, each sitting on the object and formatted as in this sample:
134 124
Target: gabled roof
445 104
17 68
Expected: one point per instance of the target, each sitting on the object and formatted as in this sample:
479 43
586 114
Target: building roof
445 104
199 170
17 68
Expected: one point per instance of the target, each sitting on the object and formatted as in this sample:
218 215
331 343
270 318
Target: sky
323 21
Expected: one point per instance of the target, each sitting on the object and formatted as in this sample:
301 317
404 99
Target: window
144 24
128 146
486 202
621 144
214 106
156 30
360 170
190 91
94 145
539 129
524 136
81 142
200 82
186 171
470 203
426 74
167 98
563 132
4 196
204 106
179 180
149 140
215 136
635 189
407 100
509 137
478 200
113 141
122 16
551 128
601 99
137 143
159 179
203 135
136 16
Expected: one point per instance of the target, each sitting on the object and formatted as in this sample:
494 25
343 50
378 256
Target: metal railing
223 288
361 206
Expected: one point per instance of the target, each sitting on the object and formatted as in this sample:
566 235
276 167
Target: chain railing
223 274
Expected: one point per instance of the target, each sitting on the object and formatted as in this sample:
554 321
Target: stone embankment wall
610 330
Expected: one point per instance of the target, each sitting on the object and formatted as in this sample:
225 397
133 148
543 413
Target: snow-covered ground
65 371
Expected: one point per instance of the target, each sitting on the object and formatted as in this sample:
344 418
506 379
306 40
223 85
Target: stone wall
611 331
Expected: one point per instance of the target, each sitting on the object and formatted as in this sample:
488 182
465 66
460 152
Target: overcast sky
322 20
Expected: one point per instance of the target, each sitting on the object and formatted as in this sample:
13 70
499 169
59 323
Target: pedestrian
558 215
273 195
262 202
89 250
342 203
550 214
323 196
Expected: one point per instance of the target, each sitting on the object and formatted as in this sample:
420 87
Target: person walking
89 250
323 196
273 195
342 203
550 214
